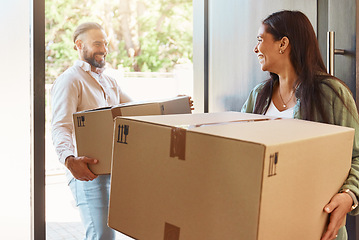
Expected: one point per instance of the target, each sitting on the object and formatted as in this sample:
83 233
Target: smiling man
82 87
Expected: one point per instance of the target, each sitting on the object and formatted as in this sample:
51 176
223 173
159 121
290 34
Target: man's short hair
84 27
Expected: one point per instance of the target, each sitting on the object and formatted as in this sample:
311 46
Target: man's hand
190 100
191 103
79 167
338 207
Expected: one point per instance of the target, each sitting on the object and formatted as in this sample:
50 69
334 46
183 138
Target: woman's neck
284 92
287 79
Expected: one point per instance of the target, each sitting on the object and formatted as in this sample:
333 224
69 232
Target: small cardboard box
225 176
94 128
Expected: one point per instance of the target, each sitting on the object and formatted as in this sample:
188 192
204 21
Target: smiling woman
287 48
274 55
267 49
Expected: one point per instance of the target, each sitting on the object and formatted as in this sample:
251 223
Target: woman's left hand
338 207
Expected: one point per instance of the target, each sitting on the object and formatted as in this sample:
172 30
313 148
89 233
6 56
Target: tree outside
144 35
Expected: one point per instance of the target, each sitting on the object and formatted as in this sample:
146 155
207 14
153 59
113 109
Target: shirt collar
87 67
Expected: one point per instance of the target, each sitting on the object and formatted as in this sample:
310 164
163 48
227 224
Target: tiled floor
62 217
64 231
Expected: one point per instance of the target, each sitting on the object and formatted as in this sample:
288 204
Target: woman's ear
284 43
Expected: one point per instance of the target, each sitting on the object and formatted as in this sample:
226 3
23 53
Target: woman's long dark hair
306 59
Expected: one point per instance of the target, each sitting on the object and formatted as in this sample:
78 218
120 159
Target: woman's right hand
338 207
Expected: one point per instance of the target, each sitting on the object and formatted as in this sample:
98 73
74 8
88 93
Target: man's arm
124 98
64 101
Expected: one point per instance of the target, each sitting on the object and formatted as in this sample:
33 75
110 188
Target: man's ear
78 44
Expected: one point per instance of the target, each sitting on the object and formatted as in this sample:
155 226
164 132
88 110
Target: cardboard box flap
136 103
194 119
168 100
187 123
178 108
274 132
178 135
177 105
244 127
181 105
93 110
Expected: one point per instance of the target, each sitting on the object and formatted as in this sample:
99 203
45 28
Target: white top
274 112
79 89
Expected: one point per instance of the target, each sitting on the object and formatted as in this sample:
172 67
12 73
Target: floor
62 217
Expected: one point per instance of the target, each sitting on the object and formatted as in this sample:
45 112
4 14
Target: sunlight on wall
155 86
15 120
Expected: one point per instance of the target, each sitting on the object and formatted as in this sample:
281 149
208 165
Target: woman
299 87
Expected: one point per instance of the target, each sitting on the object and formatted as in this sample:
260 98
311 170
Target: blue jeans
92 198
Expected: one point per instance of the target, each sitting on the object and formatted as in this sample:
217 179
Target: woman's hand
338 207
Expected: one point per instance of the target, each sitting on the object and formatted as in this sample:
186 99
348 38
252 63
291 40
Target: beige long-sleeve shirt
79 89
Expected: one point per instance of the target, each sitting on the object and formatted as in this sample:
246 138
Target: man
81 87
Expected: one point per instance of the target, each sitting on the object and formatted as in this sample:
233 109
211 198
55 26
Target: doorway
150 56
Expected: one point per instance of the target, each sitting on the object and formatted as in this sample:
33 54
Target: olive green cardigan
338 114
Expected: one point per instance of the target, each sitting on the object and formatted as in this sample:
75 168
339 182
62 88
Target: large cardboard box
225 176
94 128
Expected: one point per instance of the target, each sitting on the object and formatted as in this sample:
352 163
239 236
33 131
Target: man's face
95 49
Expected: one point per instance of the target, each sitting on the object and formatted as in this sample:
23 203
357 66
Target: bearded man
81 87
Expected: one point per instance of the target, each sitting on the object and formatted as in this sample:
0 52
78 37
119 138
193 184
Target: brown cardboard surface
94 138
192 120
246 180
94 128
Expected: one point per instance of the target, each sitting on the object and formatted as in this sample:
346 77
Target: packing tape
178 143
178 135
226 122
116 111
171 232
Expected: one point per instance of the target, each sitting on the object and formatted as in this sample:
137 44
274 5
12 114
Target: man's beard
91 59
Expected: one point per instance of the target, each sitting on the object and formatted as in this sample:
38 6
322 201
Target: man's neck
96 70
93 69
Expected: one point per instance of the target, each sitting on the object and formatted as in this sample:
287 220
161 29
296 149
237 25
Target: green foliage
158 33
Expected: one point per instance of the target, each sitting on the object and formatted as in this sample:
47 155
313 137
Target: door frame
357 58
37 64
38 222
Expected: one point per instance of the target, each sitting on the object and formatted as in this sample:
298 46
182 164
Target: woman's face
267 50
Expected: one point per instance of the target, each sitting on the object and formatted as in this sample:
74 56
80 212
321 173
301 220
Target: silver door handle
331 51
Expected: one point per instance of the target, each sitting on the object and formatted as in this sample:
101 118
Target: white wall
198 55
15 120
